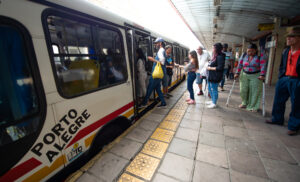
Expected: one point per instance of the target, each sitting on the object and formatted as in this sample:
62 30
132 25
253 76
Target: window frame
86 20
29 52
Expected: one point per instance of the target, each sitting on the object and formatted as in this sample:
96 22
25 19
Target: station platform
192 143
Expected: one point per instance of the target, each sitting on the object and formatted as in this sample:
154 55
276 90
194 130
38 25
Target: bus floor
192 143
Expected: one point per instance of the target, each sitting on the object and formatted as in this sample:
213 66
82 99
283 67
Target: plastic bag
158 72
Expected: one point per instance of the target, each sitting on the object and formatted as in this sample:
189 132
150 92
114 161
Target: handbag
158 72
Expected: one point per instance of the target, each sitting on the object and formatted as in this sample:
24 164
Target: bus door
139 46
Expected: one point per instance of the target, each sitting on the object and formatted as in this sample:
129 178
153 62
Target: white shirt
161 55
203 62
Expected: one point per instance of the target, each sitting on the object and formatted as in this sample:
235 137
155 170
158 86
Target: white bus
67 84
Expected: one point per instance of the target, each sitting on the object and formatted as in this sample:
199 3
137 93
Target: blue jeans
154 84
190 80
223 80
213 90
287 87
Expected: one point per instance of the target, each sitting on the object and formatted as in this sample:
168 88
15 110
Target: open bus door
138 39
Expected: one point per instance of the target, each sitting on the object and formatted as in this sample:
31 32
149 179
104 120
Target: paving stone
234 123
212 139
275 151
212 127
277 129
108 167
183 147
246 163
282 171
213 155
240 145
126 148
191 124
193 116
162 178
88 177
177 166
213 119
139 135
187 134
161 111
240 177
236 132
148 125
290 141
295 153
256 125
209 173
194 110
263 136
155 117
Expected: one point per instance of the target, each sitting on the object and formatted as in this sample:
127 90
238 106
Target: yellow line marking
163 135
128 178
143 166
45 171
89 140
155 148
129 113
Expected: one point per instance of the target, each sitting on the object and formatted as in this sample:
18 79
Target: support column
274 61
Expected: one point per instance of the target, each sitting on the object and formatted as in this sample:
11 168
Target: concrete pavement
192 143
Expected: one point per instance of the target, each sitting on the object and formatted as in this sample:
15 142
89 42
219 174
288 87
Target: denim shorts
165 81
199 80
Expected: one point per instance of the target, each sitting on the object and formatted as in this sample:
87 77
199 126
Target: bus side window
90 56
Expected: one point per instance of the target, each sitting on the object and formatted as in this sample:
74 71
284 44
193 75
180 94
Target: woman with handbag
191 68
215 70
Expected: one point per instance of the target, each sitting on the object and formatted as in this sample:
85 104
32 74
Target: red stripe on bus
20 170
82 133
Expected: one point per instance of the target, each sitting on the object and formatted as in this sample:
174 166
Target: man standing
288 84
156 83
203 58
228 63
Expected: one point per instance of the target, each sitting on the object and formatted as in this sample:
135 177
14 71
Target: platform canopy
228 21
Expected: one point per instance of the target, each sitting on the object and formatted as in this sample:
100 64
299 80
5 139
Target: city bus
68 83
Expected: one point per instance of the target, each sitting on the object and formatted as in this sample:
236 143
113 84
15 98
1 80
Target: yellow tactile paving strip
169 125
155 148
128 178
147 160
143 166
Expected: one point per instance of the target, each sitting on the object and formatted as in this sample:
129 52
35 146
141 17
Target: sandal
242 106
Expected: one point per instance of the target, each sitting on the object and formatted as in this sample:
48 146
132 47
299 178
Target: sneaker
191 102
169 95
211 106
208 102
162 105
166 96
200 93
222 89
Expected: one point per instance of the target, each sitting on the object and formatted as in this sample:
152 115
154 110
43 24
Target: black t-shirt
169 62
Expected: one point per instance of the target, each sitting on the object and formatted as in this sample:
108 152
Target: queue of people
250 69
